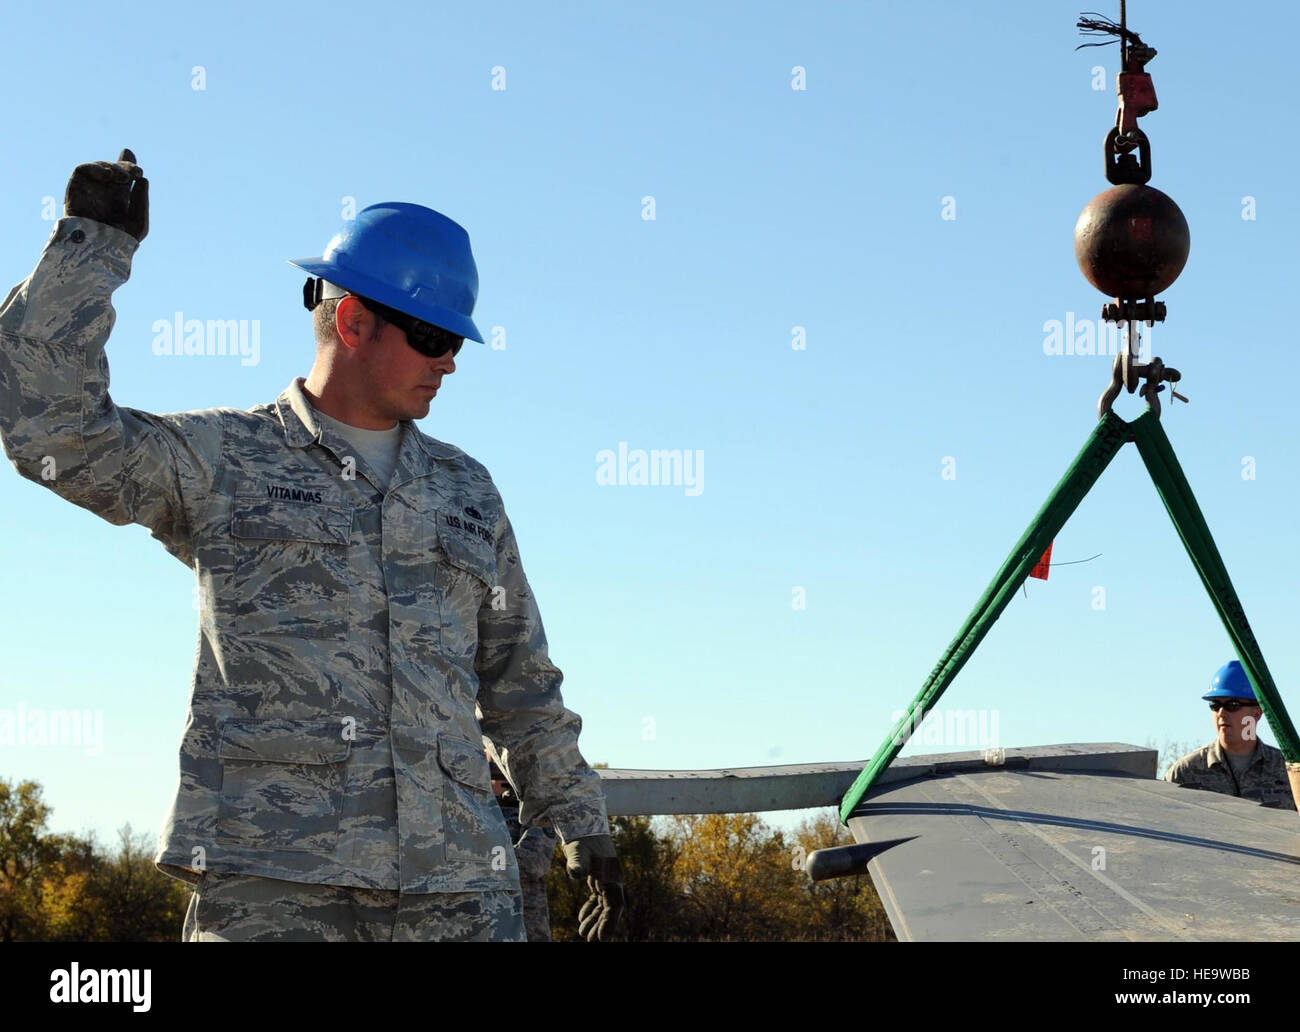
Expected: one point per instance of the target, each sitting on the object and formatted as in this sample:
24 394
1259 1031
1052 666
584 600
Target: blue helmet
407 257
1230 682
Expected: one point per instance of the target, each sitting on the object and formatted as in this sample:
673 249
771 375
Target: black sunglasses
1231 705
429 340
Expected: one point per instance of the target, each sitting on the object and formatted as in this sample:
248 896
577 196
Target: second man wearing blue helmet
1236 763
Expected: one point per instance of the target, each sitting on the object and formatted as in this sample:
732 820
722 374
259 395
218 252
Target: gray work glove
594 858
112 192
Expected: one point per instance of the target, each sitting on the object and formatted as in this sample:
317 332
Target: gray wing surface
1088 850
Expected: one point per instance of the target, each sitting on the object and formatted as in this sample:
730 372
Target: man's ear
353 322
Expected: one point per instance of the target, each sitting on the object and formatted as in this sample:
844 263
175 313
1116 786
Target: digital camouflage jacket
1264 780
350 633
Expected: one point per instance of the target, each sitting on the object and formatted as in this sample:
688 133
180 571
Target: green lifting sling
1110 434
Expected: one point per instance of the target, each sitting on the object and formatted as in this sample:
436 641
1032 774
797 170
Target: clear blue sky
775 208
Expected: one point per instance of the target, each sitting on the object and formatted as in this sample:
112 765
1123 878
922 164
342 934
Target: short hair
322 319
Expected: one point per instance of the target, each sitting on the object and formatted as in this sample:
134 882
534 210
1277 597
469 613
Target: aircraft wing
1075 843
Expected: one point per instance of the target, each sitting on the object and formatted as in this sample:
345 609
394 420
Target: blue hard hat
407 257
1230 682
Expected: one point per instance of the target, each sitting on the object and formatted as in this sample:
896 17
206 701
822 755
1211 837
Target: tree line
70 888
719 877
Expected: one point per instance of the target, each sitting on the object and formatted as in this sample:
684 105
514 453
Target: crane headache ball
1131 241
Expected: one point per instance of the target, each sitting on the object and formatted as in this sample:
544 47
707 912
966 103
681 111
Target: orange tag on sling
1043 565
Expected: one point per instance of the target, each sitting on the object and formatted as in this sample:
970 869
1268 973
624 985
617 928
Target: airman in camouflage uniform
332 778
1236 763
1264 780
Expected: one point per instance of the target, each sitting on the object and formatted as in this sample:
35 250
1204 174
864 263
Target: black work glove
112 192
594 858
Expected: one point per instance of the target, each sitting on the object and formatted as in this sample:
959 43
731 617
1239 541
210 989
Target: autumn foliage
63 888
728 877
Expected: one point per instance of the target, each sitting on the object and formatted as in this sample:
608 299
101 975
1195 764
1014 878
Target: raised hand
112 192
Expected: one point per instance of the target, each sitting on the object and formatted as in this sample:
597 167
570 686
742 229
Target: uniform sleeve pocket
281 784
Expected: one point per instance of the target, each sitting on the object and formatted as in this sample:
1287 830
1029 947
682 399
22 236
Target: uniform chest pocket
465 570
292 571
